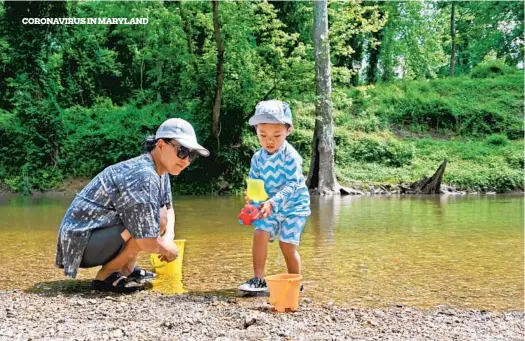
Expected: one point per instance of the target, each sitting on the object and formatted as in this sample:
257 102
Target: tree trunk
356 59
426 185
186 27
387 58
215 129
322 169
374 58
453 38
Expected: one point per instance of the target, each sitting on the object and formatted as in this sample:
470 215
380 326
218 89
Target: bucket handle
154 262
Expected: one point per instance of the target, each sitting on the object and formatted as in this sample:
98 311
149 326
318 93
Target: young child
284 214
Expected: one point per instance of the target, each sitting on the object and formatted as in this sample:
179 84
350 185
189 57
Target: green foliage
497 140
10 154
475 164
484 29
491 69
481 177
472 165
380 149
514 159
302 141
412 41
450 106
349 21
77 98
105 134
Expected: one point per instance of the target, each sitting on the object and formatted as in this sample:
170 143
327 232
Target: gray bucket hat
273 111
182 131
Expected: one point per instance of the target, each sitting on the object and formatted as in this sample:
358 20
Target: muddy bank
153 316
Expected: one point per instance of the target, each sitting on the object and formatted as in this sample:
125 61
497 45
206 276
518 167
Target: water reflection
169 284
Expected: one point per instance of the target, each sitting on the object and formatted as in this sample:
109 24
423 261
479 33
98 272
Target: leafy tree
32 85
220 71
484 29
355 25
411 41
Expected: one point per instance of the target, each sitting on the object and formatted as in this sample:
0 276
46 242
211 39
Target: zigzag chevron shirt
282 173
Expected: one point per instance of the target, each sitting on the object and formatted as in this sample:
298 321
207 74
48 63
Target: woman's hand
265 209
171 252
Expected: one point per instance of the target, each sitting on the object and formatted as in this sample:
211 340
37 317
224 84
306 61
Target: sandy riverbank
153 316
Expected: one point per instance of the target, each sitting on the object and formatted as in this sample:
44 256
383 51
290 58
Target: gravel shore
149 315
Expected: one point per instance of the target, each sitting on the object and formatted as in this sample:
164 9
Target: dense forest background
413 83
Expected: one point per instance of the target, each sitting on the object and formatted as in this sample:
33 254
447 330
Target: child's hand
265 209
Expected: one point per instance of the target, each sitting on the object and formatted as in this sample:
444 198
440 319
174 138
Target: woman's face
169 156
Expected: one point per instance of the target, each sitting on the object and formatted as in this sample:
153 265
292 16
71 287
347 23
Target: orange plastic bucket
284 291
169 268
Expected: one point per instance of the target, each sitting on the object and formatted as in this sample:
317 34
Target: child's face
272 136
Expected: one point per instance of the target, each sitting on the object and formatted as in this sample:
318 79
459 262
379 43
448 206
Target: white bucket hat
273 111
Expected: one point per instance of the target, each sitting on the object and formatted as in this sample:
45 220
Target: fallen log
426 185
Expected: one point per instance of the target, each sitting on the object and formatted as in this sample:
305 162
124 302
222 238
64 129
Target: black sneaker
254 284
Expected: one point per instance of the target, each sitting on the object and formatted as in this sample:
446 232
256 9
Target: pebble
167 324
248 321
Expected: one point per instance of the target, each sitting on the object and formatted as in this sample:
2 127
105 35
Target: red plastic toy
248 214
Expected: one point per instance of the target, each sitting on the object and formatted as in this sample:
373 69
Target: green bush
450 106
515 159
484 177
11 150
514 128
497 140
105 134
376 149
302 141
473 165
491 69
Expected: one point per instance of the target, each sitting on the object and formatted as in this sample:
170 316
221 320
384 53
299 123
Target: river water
421 251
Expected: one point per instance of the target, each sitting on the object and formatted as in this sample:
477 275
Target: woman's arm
170 225
166 248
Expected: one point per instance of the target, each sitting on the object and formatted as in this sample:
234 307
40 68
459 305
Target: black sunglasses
183 152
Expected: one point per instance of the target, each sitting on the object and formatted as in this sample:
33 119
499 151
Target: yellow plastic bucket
284 291
169 268
255 190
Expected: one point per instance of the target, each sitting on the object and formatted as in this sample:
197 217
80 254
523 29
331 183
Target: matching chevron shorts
288 228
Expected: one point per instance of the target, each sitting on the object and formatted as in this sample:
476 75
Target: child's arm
294 179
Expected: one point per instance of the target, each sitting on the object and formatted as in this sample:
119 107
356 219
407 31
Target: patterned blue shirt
282 173
129 193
